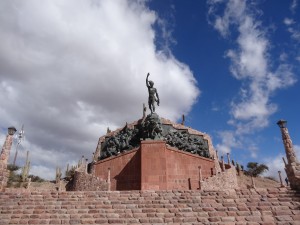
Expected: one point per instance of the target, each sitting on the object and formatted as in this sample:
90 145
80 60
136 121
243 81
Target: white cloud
250 64
228 141
294 5
276 164
288 21
222 23
68 71
297 151
283 57
295 34
293 28
251 109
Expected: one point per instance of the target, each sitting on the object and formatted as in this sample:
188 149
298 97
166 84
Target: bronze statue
153 95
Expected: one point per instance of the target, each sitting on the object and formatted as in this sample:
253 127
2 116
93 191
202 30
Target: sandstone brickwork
221 181
82 181
275 206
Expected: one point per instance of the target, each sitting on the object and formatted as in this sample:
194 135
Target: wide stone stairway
245 206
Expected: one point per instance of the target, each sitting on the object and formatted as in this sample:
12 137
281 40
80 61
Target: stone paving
240 206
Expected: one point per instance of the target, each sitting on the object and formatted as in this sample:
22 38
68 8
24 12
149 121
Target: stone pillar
108 179
223 164
281 184
183 120
287 142
86 166
238 168
200 173
217 155
200 176
292 167
4 156
228 159
285 164
233 162
252 181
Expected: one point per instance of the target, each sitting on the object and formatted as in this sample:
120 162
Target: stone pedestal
153 165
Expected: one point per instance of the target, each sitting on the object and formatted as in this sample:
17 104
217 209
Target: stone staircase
240 206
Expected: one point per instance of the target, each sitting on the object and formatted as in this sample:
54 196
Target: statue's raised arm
153 95
147 84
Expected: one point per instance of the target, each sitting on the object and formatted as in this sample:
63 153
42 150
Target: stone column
287 142
200 176
86 166
108 179
285 164
200 173
217 155
292 167
4 173
281 184
228 158
223 164
238 168
252 181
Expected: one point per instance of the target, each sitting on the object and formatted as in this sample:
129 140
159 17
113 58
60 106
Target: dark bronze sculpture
153 95
151 127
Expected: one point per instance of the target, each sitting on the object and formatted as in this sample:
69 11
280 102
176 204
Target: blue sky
68 71
199 44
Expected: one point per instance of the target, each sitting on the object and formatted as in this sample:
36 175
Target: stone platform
155 166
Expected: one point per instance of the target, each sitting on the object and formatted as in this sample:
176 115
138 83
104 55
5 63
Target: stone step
261 206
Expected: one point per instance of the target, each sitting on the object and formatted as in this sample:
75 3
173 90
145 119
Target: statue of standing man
153 95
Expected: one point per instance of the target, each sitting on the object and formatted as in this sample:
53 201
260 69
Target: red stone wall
165 168
154 167
125 170
183 169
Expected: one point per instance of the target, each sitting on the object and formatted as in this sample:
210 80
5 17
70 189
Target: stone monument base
154 166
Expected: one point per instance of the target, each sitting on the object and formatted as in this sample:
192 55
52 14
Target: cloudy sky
68 71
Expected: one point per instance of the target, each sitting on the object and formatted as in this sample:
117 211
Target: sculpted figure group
125 140
186 142
151 128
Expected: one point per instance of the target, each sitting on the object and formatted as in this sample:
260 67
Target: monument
154 153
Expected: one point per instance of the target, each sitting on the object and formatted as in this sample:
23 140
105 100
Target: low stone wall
86 182
274 206
221 181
